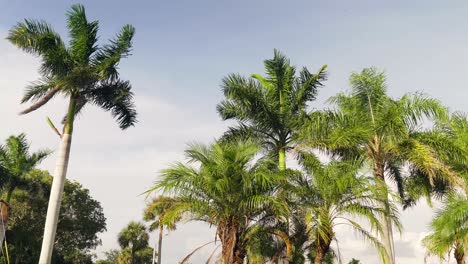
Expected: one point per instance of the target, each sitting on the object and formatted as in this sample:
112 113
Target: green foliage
449 229
384 133
133 240
335 194
269 109
16 162
228 189
81 219
82 71
157 210
354 261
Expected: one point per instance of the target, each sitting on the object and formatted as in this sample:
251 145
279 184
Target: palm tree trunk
4 206
321 250
387 230
56 191
459 254
160 243
282 159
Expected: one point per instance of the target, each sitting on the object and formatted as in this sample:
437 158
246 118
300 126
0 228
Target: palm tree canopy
269 108
335 194
368 125
134 235
156 212
82 70
228 184
17 161
449 229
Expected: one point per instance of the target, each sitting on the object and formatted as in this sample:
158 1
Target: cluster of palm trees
355 163
357 160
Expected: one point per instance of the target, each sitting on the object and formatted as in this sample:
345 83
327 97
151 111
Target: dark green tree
81 220
133 240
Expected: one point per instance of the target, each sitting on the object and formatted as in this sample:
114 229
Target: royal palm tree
270 108
334 194
228 190
16 162
449 230
155 212
133 239
85 73
384 133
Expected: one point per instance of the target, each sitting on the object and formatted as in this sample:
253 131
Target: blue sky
182 49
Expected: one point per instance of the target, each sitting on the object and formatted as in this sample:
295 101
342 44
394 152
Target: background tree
16 163
385 134
133 240
270 108
155 212
81 220
83 72
229 190
449 230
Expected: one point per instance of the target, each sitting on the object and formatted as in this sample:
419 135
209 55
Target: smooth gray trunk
55 200
160 243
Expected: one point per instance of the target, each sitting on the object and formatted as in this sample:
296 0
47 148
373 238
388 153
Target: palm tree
270 108
16 162
450 230
83 72
156 212
333 195
229 190
132 239
384 134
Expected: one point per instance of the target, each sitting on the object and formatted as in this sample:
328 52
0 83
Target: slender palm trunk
56 192
387 230
160 243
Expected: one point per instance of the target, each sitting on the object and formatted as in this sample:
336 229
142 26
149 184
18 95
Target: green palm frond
117 98
83 34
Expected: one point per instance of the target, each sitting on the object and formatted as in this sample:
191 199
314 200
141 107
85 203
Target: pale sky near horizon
182 49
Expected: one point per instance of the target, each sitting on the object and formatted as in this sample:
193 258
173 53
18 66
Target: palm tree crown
450 229
269 108
83 71
17 161
228 190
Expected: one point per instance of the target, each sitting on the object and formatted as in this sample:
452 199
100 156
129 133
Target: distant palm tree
385 134
229 190
133 238
83 72
16 162
333 195
449 230
156 211
270 108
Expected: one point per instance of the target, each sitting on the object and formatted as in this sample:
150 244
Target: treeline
361 160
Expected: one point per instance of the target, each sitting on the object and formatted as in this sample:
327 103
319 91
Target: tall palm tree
270 108
156 212
133 238
334 194
229 190
449 230
16 162
83 72
384 133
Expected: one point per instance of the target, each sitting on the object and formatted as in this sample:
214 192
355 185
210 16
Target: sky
182 50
